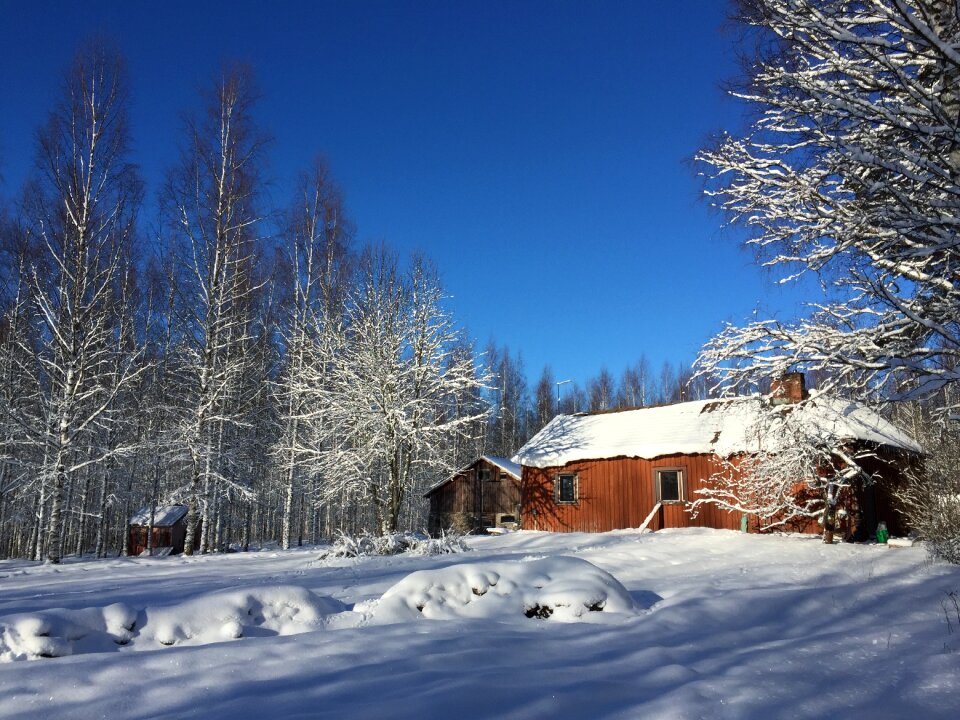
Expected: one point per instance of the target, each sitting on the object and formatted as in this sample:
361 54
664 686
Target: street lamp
562 382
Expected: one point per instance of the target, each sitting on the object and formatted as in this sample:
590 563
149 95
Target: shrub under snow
559 588
411 543
213 617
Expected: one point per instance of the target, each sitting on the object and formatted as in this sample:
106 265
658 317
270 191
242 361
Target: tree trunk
56 509
82 527
190 542
829 514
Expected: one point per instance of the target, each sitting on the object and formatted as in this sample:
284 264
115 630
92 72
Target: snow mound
276 610
209 618
560 588
55 633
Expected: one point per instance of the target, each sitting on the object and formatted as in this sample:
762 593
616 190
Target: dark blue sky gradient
537 151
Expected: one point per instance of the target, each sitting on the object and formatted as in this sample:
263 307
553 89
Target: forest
256 363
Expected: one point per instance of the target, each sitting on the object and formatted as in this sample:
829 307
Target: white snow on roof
511 468
724 427
164 517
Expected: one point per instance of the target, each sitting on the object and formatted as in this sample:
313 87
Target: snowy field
675 624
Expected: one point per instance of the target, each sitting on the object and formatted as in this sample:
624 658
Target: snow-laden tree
19 394
850 170
212 216
81 216
931 498
384 419
315 275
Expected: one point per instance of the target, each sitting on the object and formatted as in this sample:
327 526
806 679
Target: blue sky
537 151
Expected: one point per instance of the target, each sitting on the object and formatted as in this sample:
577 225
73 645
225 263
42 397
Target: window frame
681 471
557 487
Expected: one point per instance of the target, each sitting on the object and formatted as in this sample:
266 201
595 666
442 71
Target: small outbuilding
484 494
169 530
594 472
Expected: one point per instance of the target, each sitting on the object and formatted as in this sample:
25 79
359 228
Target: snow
511 468
163 517
696 623
724 427
559 588
212 617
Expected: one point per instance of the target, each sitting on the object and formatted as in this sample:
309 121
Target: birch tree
849 171
82 220
317 236
510 402
545 399
211 208
601 391
634 390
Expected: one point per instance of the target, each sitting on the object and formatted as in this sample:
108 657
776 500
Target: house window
670 485
566 488
484 474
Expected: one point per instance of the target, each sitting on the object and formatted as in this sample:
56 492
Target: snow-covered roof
164 517
724 427
511 468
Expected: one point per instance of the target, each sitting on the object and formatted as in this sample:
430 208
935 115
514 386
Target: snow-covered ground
676 624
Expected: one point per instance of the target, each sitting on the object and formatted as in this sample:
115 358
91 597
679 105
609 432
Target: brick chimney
788 388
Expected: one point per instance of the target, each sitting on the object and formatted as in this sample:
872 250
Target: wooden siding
466 503
173 536
618 493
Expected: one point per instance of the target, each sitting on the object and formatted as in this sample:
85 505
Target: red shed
486 493
612 470
169 530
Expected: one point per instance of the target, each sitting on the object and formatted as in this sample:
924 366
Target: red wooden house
486 493
611 470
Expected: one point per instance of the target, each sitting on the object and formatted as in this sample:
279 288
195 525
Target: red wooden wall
618 493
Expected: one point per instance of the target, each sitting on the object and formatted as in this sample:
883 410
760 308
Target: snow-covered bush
60 632
931 498
559 588
394 544
932 506
208 618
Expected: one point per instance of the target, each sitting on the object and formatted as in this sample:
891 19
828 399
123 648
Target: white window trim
682 470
